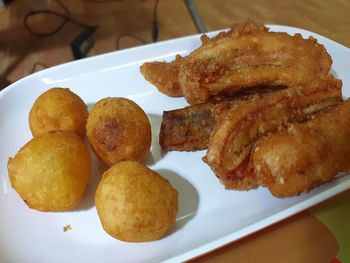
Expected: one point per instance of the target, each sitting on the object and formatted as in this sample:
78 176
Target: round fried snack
134 203
58 109
51 171
118 129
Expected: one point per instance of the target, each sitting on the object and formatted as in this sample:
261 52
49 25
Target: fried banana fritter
305 155
247 55
234 135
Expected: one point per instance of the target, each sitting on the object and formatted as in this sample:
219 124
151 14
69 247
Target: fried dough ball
58 109
134 203
51 171
118 129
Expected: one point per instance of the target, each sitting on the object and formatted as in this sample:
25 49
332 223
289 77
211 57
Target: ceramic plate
209 216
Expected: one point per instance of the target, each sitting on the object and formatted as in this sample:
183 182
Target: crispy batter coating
189 128
118 129
247 55
51 171
239 128
164 76
58 109
134 203
305 155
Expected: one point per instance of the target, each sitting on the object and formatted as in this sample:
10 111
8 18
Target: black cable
66 17
117 41
155 29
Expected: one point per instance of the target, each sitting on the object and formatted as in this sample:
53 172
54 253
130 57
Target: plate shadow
188 198
97 169
156 153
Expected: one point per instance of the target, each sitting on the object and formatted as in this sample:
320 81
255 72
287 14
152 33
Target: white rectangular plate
209 216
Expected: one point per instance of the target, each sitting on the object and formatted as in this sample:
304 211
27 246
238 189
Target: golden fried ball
51 171
134 203
118 129
58 109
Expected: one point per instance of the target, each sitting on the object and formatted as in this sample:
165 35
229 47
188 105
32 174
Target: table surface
320 234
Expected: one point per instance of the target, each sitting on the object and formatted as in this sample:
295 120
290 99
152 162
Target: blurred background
35 34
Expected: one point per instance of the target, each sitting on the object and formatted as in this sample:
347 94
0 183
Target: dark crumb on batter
67 228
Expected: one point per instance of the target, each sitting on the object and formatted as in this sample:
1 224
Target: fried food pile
249 89
264 104
51 172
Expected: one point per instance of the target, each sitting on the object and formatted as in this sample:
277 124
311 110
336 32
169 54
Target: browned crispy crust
117 130
305 155
189 128
250 55
247 55
164 76
239 128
